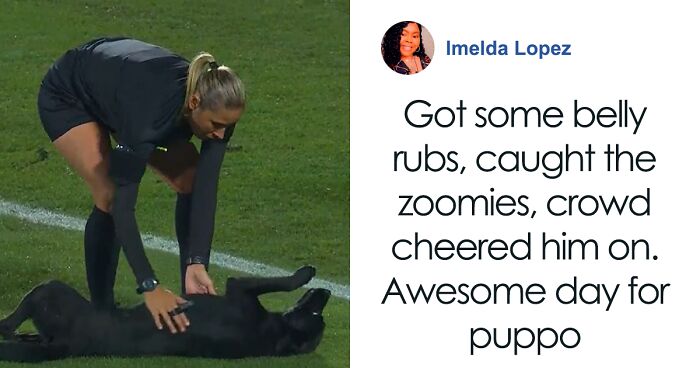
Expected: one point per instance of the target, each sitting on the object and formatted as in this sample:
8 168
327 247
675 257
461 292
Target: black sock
182 230
101 258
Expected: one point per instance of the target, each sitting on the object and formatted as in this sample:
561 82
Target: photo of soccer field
283 198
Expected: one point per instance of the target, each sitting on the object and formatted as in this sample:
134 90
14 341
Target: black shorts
59 109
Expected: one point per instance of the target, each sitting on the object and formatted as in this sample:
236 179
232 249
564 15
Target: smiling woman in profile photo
403 49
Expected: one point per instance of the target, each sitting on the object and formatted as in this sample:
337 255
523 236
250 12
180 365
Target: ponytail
217 85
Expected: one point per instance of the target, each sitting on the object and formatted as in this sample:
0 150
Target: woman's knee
86 148
184 182
177 166
103 194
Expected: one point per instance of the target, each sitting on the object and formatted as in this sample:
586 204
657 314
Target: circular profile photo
407 47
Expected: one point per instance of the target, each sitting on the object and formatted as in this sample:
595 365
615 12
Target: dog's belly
216 330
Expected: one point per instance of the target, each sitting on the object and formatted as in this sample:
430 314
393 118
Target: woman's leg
177 167
86 148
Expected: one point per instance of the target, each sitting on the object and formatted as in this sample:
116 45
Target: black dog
231 326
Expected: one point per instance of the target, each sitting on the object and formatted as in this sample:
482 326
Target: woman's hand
197 280
162 304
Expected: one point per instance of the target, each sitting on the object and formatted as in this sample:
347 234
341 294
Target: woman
151 101
403 50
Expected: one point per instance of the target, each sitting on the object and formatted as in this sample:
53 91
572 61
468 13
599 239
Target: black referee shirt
137 91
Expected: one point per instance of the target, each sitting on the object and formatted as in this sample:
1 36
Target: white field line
46 217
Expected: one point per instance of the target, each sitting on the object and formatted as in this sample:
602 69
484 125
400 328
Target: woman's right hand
160 302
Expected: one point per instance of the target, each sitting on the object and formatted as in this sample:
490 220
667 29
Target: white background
646 54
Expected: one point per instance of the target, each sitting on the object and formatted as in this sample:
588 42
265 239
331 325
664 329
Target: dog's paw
305 274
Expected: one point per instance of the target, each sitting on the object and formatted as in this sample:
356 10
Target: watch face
147 285
150 284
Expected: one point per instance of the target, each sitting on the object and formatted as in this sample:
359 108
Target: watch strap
197 260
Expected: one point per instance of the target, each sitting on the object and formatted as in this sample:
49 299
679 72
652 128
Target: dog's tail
29 352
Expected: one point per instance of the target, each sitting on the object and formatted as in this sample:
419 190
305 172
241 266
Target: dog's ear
305 331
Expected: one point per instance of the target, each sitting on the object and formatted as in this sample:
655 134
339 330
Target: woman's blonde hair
217 85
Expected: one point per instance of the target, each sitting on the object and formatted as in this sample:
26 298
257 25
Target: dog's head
305 323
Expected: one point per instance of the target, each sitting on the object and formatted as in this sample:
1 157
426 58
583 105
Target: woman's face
211 124
410 40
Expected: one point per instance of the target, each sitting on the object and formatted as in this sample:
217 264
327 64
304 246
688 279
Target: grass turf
46 253
284 187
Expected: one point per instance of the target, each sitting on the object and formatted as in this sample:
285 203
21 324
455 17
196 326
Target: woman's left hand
197 280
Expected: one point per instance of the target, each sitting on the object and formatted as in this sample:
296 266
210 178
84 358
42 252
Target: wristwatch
148 284
197 260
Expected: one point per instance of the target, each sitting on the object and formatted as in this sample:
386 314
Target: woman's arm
127 166
127 231
204 194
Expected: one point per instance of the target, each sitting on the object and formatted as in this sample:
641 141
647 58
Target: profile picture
407 47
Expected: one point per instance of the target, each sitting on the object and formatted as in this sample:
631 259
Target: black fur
232 326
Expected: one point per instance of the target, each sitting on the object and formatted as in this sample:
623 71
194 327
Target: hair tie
213 65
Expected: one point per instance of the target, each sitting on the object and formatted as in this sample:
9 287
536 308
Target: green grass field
284 187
